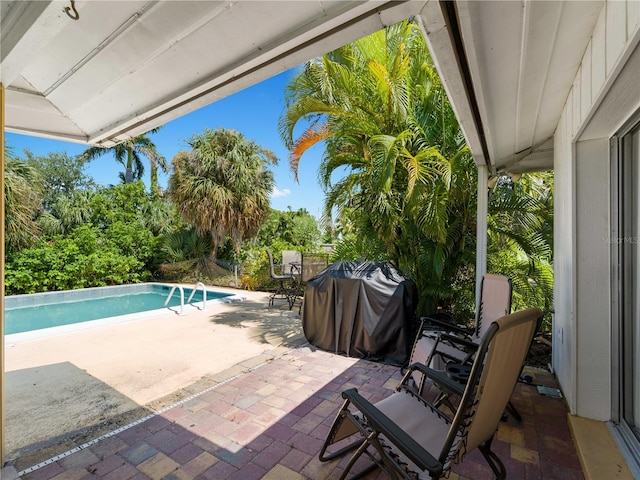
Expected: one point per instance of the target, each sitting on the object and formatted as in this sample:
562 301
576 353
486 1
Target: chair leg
340 430
514 412
280 292
494 462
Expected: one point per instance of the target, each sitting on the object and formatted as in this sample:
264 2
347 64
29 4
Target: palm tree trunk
155 193
128 175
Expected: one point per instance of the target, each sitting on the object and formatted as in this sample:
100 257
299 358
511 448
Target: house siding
604 94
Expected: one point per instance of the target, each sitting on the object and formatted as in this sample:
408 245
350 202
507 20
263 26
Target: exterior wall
563 244
606 91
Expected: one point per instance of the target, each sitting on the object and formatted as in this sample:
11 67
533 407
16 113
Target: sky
254 112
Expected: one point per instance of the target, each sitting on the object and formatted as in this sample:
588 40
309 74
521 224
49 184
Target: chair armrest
439 378
459 342
445 325
383 424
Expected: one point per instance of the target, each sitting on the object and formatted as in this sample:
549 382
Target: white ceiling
128 66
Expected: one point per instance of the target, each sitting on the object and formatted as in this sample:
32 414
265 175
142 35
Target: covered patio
535 85
267 416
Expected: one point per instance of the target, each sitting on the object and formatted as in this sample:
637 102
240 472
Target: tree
61 175
520 241
296 228
222 186
23 203
380 109
129 154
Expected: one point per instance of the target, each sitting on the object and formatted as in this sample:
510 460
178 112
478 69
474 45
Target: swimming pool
28 313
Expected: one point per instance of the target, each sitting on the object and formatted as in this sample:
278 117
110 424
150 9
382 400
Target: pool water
102 303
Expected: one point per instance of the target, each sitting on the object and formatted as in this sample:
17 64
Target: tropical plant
129 154
382 113
222 186
91 239
521 237
23 203
85 258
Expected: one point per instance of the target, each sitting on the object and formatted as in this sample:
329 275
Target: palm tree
379 107
521 236
129 154
23 203
222 186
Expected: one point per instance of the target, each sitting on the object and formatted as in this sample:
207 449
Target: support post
2 377
481 228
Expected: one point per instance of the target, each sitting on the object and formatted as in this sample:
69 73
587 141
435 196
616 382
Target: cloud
280 193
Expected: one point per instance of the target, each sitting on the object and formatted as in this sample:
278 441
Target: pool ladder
193 292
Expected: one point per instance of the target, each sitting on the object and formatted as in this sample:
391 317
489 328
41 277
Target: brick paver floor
271 420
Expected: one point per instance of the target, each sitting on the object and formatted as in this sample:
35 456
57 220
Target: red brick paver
272 420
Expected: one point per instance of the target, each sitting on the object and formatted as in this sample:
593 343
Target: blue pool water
24 313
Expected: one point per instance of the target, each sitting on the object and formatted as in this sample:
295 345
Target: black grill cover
360 310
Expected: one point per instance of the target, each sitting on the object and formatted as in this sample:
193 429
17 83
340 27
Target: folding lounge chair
435 344
286 283
409 438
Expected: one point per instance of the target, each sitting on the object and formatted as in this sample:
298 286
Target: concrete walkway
71 387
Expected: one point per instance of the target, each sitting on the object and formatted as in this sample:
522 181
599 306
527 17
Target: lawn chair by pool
408 437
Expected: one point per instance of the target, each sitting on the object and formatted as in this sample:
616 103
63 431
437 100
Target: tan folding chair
408 437
434 345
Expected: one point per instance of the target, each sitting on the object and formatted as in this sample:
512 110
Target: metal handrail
173 289
204 295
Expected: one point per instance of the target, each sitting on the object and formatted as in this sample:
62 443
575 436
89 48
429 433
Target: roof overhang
125 67
508 67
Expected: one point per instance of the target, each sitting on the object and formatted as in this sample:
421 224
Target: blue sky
254 112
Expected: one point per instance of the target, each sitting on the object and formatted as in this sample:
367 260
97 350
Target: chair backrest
495 301
493 377
272 270
312 264
289 258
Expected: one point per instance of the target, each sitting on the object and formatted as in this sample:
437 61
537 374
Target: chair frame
387 438
440 331
310 265
282 291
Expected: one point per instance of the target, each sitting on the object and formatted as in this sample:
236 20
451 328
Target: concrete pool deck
78 385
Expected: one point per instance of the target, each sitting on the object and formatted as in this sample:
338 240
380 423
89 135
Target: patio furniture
291 260
441 341
408 437
311 265
360 309
286 283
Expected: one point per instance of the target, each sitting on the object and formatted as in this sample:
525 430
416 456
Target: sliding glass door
627 250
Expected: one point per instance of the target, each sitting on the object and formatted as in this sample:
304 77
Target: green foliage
85 258
222 186
521 238
396 166
129 154
93 238
23 203
400 179
297 228
62 175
